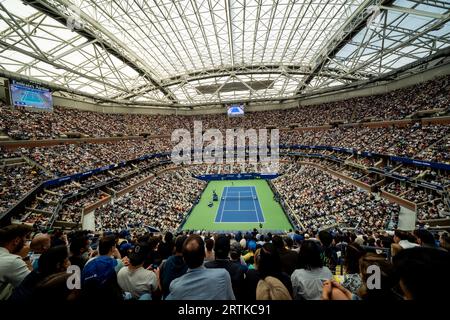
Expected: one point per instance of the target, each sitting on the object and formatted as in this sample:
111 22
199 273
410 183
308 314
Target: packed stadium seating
322 189
395 105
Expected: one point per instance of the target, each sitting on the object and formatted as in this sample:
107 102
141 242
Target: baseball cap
139 254
252 245
99 271
125 246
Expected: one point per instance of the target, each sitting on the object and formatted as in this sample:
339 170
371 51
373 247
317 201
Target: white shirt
12 271
137 281
308 284
405 244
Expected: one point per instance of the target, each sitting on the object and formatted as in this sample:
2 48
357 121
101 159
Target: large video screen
235 110
30 95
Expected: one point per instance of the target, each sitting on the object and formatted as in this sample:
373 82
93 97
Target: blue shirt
202 284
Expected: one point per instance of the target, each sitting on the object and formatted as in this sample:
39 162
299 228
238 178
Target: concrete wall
88 106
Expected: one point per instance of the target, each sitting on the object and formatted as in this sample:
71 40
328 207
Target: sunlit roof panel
162 50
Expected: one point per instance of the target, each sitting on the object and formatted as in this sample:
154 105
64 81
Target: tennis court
239 204
218 215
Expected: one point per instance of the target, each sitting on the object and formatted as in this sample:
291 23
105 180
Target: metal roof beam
415 12
230 30
56 65
57 9
216 73
352 27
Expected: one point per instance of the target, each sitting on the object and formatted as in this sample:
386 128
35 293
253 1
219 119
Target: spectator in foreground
425 238
444 241
54 260
235 255
402 240
79 250
200 283
267 264
136 280
173 267
222 260
307 280
165 248
423 273
329 255
99 277
387 281
352 277
40 244
12 268
272 289
288 257
209 255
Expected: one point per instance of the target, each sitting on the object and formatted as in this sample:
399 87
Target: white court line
254 205
224 203
239 201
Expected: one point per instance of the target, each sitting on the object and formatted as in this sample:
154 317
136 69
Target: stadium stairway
37 165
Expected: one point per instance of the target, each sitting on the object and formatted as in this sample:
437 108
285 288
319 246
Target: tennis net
234 198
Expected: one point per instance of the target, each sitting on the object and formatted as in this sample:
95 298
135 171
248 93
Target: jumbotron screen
235 110
30 95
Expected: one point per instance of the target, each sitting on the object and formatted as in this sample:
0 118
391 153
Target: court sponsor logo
241 146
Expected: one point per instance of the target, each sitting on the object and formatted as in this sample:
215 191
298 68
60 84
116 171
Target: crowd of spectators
162 203
413 141
22 123
410 141
243 266
435 209
15 181
73 158
330 202
320 200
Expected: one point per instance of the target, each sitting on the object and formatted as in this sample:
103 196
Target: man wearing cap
222 260
12 268
135 279
99 278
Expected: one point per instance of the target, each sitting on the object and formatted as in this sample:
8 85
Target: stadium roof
194 52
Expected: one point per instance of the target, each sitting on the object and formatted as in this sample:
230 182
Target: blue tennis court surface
239 204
